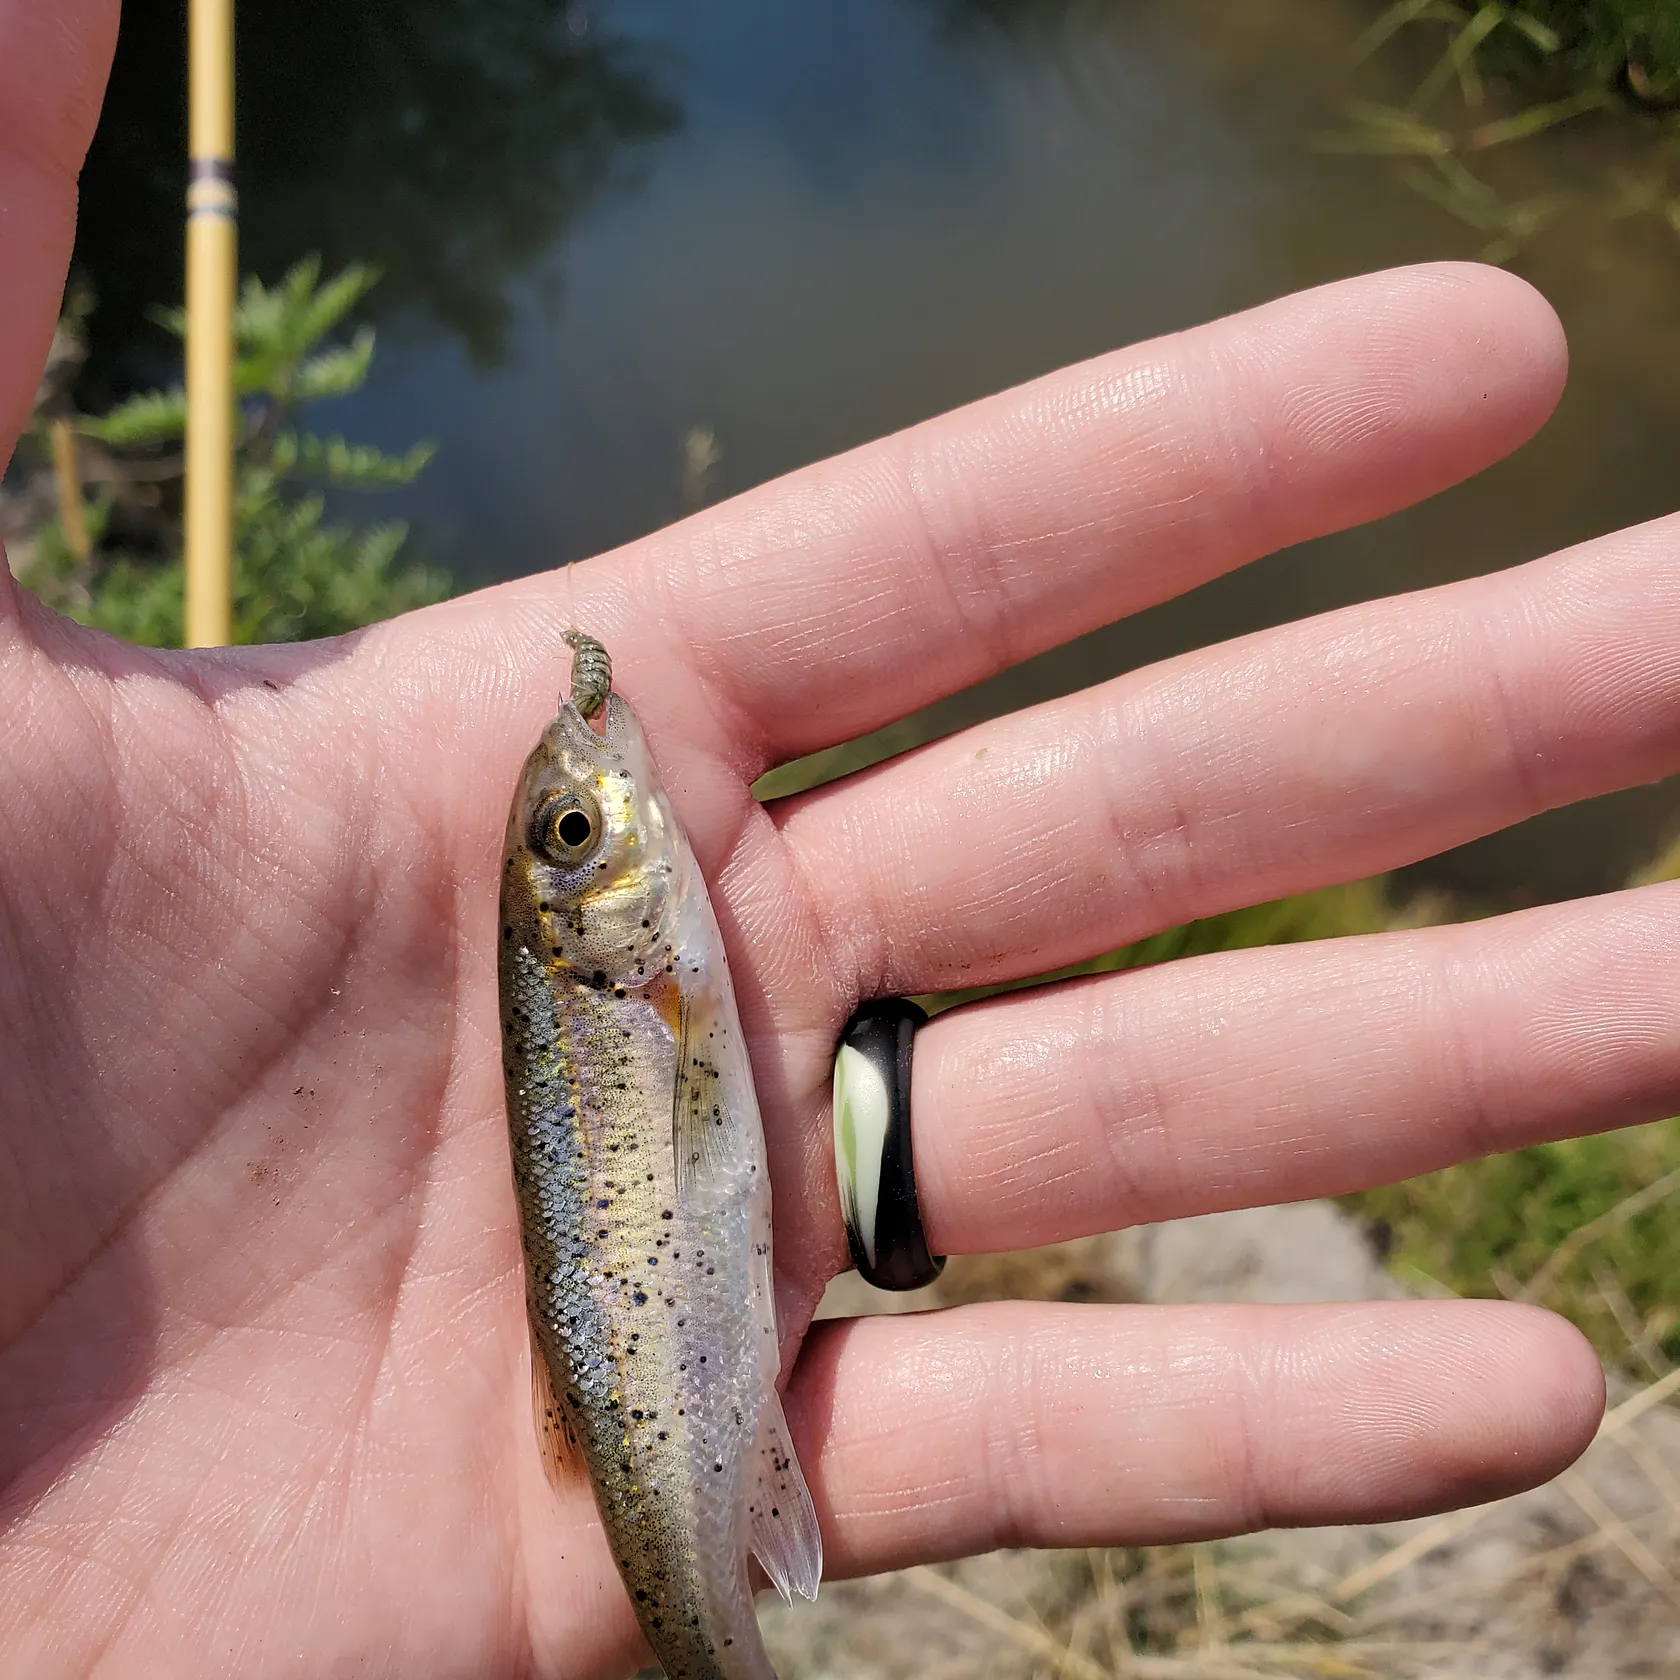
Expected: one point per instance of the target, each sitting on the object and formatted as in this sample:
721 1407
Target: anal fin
785 1536
562 1457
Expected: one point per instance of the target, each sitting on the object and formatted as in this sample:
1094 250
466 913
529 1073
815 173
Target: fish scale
638 1164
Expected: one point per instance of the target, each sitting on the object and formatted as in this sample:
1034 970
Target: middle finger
1321 751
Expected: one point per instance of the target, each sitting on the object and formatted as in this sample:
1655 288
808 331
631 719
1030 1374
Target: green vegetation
296 574
1595 43
1584 1226
1496 74
1548 47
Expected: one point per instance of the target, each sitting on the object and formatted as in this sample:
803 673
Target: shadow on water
450 144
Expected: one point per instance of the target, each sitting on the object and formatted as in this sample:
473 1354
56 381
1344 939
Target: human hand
263 1402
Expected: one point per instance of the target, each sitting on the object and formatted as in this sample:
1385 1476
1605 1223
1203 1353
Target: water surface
786 229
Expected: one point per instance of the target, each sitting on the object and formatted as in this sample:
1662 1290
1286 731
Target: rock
1304 1251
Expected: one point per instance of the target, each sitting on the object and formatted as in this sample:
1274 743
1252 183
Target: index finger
846 595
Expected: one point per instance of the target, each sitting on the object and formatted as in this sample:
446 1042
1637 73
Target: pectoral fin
562 1457
703 1116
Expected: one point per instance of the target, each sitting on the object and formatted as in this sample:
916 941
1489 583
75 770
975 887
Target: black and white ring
873 1161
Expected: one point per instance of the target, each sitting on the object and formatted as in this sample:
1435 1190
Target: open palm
263 1402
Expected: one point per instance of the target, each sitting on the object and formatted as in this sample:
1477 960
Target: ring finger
1273 1075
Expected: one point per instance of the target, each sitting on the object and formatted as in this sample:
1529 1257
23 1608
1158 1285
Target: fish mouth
591 736
576 726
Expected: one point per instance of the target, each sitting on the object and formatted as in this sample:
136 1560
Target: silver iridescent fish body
644 1199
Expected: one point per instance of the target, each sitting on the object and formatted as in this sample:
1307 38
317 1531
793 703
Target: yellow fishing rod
212 286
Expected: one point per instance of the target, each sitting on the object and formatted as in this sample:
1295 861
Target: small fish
644 1198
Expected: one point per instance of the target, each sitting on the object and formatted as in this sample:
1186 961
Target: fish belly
641 1301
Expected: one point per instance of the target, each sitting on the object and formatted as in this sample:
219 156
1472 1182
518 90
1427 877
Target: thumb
53 62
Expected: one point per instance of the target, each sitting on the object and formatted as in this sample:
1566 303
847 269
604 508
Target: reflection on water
847 215
450 142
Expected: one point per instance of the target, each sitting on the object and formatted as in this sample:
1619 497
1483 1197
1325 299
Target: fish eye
567 827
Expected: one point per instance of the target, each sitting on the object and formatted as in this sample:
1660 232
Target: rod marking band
210 190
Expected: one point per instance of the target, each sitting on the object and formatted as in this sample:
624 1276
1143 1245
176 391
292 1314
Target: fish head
589 879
